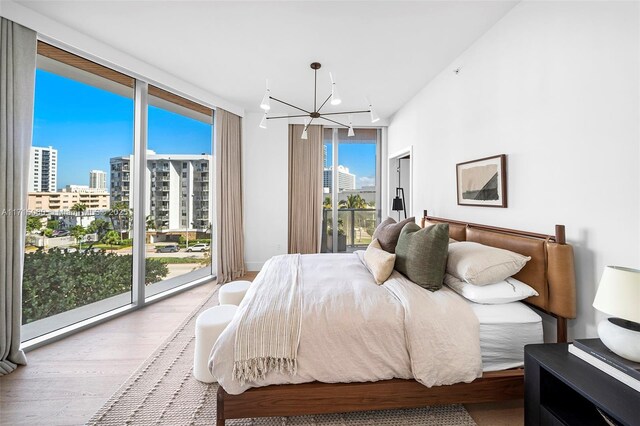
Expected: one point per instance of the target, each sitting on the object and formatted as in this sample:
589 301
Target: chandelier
334 97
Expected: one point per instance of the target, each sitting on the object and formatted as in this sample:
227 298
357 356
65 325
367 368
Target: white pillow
379 262
478 264
507 291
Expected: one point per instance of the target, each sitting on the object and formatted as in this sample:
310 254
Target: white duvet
353 330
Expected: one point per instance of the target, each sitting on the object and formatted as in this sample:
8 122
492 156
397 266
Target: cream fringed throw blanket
269 329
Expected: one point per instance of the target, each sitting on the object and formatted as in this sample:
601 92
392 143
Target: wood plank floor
66 382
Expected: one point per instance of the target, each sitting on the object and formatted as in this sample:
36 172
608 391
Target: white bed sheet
504 330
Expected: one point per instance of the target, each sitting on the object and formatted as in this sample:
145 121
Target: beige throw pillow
379 262
478 264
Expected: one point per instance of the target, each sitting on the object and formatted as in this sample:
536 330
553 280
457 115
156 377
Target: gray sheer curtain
305 189
17 82
230 250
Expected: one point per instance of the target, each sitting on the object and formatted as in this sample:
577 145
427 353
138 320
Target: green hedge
56 281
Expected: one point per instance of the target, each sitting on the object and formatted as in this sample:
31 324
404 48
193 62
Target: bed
550 272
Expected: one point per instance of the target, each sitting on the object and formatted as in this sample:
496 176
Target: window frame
334 154
143 88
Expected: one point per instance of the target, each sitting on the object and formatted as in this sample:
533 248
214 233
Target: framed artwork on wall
482 182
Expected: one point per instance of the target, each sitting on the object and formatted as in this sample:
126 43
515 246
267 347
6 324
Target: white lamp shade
263 122
304 130
266 102
374 116
335 97
619 293
351 133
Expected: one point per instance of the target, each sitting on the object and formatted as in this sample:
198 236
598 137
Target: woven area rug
163 391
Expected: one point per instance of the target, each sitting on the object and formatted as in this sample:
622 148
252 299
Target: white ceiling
385 50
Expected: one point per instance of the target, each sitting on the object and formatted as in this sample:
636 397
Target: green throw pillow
421 254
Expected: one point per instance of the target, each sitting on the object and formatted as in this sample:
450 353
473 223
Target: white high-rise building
43 169
98 180
177 187
346 180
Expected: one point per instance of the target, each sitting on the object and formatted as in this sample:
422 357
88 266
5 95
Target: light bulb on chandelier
315 113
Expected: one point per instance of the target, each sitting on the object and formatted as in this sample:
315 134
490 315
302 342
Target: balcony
355 229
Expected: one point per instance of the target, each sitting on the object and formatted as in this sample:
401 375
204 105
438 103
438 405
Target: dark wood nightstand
562 389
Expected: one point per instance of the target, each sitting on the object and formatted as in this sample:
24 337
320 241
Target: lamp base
621 337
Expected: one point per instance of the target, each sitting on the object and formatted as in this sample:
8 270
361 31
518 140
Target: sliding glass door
351 185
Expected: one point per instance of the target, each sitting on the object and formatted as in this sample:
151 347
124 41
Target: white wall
265 189
555 86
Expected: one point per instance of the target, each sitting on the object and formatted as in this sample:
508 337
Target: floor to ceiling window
78 260
179 189
104 231
351 185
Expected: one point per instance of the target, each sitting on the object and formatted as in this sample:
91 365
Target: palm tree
327 203
354 201
78 232
79 208
151 223
120 214
99 226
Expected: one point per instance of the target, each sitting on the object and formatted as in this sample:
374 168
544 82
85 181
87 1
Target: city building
324 156
177 187
55 201
346 180
98 180
84 189
43 169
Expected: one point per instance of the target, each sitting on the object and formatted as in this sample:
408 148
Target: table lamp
619 295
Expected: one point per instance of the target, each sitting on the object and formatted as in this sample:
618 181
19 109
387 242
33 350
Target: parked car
60 233
198 247
169 248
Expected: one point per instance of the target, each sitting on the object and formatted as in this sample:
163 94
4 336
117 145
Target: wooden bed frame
550 272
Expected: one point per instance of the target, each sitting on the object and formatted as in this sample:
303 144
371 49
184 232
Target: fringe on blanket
253 369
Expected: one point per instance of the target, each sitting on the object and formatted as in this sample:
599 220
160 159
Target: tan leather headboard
551 268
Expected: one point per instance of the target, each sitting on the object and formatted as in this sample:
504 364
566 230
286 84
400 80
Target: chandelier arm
309 124
287 116
288 104
346 112
325 101
333 121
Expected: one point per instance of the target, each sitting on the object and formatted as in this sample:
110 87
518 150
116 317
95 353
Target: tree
354 201
56 281
99 227
151 223
119 215
79 208
327 203
78 232
111 238
53 224
48 232
34 223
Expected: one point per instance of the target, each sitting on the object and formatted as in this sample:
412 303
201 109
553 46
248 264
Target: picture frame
482 182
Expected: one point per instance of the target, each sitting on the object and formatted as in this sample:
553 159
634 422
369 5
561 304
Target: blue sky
360 158
88 126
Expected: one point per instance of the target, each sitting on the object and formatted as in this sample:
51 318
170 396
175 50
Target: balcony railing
355 229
